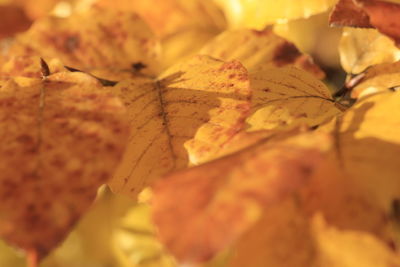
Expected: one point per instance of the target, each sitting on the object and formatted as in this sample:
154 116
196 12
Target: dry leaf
202 99
260 13
171 16
347 13
97 39
259 49
361 48
367 146
197 211
62 138
287 97
280 238
313 36
381 15
184 44
378 78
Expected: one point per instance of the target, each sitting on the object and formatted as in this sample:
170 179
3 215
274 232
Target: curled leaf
362 48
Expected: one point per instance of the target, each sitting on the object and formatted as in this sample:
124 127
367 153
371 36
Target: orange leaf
197 210
62 137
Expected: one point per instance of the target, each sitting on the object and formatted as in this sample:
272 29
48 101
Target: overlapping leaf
171 16
378 78
259 49
202 99
12 20
288 96
200 202
96 39
361 48
62 137
379 14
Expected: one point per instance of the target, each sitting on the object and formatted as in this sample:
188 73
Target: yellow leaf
136 242
259 49
287 97
260 13
378 78
280 238
313 36
201 99
338 248
91 40
62 138
197 210
361 48
171 16
185 43
367 146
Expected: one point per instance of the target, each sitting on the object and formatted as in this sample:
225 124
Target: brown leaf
347 13
62 137
384 16
381 15
197 211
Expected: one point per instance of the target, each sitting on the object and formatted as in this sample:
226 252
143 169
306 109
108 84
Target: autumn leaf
210 218
367 145
288 96
259 49
171 16
378 78
62 138
313 36
281 98
258 14
381 15
202 99
347 13
124 39
362 48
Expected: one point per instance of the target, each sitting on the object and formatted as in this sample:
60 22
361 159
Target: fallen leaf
184 44
383 16
378 78
347 13
341 248
123 37
288 96
62 138
203 99
196 210
259 49
313 36
280 238
362 48
172 16
367 144
377 14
